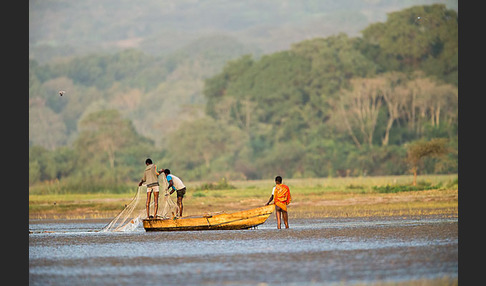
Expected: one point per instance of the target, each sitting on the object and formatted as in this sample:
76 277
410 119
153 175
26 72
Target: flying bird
420 20
61 92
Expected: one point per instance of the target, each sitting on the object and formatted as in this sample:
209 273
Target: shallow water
318 251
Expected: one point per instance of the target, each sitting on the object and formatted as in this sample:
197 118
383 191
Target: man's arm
269 200
171 184
142 180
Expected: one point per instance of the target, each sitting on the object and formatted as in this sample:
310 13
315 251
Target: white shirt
176 182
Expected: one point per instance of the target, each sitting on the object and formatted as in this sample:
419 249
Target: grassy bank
311 198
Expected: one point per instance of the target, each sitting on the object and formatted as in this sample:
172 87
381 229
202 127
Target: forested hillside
63 28
342 105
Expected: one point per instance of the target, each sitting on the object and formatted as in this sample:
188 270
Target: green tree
103 137
333 62
357 109
428 103
46 128
201 143
215 88
42 164
34 172
420 37
419 150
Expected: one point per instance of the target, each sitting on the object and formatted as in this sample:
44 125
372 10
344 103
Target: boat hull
237 220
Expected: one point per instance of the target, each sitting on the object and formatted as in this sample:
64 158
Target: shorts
277 208
181 193
153 188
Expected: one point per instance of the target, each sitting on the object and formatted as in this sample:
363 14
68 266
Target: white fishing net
130 218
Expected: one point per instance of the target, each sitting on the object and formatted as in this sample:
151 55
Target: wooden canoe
237 220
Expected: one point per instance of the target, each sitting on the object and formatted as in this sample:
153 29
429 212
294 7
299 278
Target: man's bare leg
179 204
156 202
285 218
278 214
147 204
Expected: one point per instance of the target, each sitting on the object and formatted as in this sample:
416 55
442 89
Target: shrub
405 188
221 185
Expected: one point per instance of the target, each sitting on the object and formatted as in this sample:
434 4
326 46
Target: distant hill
174 47
62 28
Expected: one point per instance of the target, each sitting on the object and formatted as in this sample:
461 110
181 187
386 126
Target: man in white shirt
175 184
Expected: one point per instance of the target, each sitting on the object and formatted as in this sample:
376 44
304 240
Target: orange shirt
281 196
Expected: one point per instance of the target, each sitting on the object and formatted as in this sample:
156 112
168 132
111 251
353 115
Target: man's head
166 172
278 179
148 161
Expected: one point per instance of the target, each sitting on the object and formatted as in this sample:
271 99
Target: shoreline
438 216
310 199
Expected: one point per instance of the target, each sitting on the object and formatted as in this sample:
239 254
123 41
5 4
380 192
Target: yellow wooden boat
237 220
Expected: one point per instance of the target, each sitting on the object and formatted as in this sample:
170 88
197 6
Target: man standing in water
281 198
151 176
175 184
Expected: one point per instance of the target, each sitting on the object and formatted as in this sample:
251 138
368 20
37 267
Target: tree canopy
334 106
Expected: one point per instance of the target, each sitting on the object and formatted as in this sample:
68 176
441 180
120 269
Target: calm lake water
311 252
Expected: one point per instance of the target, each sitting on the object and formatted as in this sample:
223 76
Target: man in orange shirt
281 198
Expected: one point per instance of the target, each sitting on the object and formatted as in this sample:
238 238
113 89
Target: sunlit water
323 251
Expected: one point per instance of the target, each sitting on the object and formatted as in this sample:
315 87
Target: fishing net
130 218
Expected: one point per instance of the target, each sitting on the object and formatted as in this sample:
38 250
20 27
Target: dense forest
329 106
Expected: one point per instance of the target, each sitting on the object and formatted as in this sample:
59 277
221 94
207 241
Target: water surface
317 251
